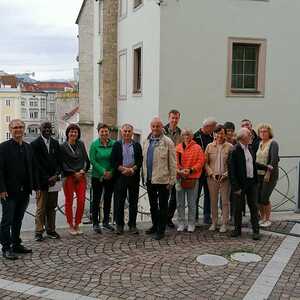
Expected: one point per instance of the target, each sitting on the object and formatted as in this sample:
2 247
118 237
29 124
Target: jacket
164 161
175 137
211 153
100 157
49 163
203 139
273 160
237 171
74 161
117 158
190 157
9 161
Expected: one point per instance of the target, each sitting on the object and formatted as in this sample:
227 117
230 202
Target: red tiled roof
46 86
10 80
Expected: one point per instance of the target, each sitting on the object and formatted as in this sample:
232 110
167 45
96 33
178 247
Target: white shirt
47 143
249 161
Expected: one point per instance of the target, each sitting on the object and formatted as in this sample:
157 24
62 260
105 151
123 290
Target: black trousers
158 195
249 193
13 210
206 203
172 204
98 187
126 185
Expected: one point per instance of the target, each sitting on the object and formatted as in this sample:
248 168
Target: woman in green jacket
102 179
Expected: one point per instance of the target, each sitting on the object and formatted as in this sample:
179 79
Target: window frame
261 67
121 53
121 17
135 92
135 8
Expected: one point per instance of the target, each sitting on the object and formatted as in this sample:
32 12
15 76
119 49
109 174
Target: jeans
13 210
122 185
98 187
172 204
158 195
191 195
206 203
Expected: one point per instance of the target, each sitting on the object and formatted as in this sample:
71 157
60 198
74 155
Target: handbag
186 183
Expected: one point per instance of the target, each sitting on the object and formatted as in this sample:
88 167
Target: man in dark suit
243 177
18 177
47 154
126 160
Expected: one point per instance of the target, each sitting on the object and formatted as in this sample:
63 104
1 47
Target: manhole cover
212 260
245 257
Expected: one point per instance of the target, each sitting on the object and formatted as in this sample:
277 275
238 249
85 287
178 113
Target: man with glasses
18 177
47 154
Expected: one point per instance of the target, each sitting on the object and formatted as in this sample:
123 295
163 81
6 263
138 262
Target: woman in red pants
75 164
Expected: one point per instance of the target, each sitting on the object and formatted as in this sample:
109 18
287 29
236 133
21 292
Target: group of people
175 166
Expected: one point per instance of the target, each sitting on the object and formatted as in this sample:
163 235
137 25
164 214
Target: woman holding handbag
217 154
190 161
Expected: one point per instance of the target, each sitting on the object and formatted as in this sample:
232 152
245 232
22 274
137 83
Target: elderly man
203 137
18 177
254 142
172 131
159 169
126 160
47 155
243 178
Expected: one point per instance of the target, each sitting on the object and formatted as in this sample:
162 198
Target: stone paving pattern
137 267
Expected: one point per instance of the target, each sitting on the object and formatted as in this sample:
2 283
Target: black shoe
151 230
171 224
8 254
133 230
38 237
97 229
21 249
256 236
159 236
53 235
107 226
120 230
235 233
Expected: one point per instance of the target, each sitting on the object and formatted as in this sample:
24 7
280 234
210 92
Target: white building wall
140 26
193 68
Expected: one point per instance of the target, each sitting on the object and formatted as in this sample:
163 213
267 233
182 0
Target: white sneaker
223 228
261 222
267 223
191 228
212 227
180 228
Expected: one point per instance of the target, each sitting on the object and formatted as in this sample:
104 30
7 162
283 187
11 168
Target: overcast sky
39 36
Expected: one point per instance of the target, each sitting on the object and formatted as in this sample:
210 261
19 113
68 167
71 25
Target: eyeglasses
17 127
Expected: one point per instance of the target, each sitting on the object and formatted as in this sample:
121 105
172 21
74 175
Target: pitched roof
46 86
9 80
80 11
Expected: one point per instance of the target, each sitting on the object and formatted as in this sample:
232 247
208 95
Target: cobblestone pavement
288 286
137 267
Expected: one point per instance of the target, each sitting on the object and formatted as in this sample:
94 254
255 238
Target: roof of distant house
80 11
46 86
9 80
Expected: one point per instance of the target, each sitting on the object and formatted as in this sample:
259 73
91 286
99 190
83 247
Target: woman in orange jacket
190 161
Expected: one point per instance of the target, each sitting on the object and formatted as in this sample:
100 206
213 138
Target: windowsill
245 94
137 94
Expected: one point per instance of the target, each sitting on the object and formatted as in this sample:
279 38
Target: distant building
10 95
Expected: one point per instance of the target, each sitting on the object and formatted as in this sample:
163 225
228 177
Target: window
51 107
122 75
123 9
36 104
137 3
23 113
31 103
7 102
33 114
246 67
8 136
137 70
7 119
43 103
22 103
43 113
